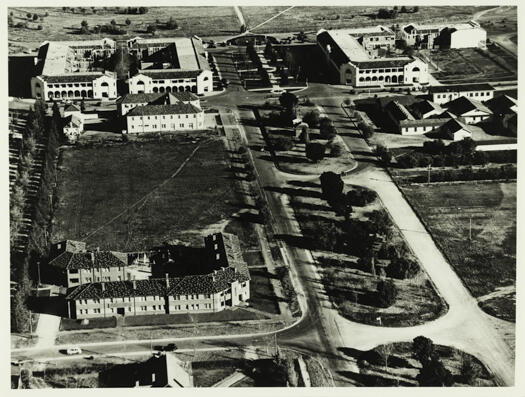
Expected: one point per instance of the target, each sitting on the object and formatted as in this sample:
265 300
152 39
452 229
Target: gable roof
461 88
462 105
89 260
155 110
454 125
399 111
502 104
140 98
425 107
72 108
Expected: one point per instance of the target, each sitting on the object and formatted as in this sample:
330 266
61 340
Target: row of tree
24 265
384 13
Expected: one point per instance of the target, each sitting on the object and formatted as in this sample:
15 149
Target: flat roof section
349 45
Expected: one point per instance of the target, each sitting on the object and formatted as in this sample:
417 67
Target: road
321 331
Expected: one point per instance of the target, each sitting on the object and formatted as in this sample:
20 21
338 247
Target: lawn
60 25
349 283
315 18
402 368
473 65
262 295
97 188
488 261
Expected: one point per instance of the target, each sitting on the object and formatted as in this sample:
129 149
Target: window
218 256
207 296
96 311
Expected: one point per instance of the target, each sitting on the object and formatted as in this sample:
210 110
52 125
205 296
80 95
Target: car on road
167 348
70 351
277 91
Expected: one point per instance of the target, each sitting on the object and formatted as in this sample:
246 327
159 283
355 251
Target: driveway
47 330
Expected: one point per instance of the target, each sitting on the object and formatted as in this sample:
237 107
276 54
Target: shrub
402 268
128 21
331 185
386 293
360 196
336 150
311 118
315 151
172 24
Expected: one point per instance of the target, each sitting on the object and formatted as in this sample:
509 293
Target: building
162 370
470 110
456 130
131 101
463 35
164 118
170 65
412 122
226 284
445 93
374 38
68 70
425 109
505 113
350 63
73 265
460 35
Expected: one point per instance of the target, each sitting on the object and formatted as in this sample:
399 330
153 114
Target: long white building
352 64
66 70
459 35
170 65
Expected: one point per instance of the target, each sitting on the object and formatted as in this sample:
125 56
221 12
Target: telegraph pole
428 175
470 229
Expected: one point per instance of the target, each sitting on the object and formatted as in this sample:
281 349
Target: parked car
73 350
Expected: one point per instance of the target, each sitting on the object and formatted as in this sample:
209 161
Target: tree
402 44
311 118
35 17
434 373
172 24
301 36
282 143
385 351
243 28
422 349
331 185
386 293
28 15
415 9
469 371
284 77
151 29
39 27
384 154
113 22
315 151
327 128
84 23
289 102
142 10
402 268
403 10
366 129
337 149
128 21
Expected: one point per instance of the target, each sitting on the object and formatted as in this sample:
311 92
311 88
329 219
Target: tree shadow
294 192
304 184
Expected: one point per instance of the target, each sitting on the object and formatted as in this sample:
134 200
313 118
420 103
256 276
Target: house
505 113
73 265
65 70
162 370
411 116
374 37
445 93
456 130
350 63
73 126
224 281
164 118
459 35
425 109
170 65
130 101
470 110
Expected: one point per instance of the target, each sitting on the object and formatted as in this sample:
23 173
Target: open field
97 184
487 263
349 284
473 65
501 20
60 25
402 368
315 18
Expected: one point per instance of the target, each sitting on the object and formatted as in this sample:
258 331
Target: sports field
127 197
487 262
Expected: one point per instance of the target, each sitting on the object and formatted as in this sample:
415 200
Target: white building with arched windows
170 65
350 63
66 70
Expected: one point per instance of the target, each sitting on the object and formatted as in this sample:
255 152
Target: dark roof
170 74
212 283
424 107
71 108
140 98
398 111
88 260
153 110
461 88
501 104
183 96
462 105
405 100
71 78
382 63
424 122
